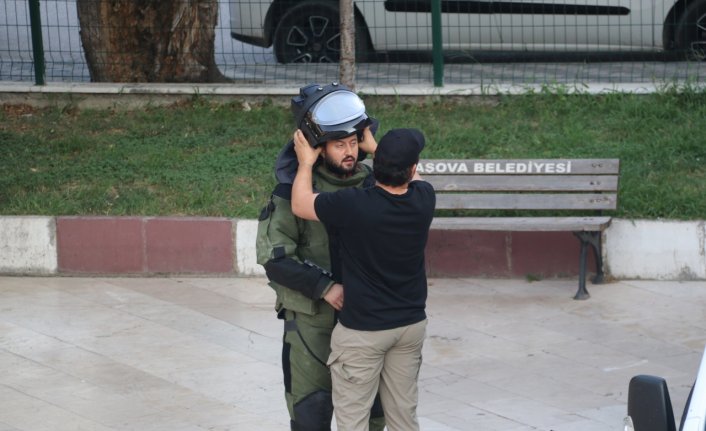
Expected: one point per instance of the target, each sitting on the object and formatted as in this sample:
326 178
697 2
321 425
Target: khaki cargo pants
307 379
363 362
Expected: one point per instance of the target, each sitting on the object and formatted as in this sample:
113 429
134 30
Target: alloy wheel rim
698 45
314 42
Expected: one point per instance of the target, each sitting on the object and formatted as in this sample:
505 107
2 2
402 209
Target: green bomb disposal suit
297 256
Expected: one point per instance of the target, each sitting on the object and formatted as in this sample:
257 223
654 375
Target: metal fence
481 42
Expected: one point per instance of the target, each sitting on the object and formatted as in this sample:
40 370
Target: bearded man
302 260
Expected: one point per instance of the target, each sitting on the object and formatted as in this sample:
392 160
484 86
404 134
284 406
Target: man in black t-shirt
382 232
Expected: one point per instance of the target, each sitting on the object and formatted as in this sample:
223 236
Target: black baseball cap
400 148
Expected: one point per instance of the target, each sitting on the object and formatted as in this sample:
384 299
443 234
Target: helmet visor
337 115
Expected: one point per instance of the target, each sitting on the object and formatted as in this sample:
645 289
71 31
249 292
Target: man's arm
368 143
303 195
277 242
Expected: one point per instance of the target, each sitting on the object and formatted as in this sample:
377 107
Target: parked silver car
308 31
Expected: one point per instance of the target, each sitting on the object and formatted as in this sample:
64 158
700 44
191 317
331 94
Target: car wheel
690 35
310 33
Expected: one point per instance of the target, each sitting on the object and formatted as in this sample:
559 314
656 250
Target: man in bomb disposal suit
299 257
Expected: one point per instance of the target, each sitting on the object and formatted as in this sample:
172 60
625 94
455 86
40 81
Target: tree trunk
150 40
346 65
347 62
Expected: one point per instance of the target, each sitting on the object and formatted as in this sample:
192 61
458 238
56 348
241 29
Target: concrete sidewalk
204 353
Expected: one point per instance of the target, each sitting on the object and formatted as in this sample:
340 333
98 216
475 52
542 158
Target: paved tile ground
152 354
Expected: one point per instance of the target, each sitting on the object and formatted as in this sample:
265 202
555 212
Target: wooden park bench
582 188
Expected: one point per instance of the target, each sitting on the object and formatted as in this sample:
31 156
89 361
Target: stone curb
33 245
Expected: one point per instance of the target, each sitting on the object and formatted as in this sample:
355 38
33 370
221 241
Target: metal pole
37 44
437 50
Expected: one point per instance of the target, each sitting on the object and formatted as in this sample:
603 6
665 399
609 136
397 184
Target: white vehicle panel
248 18
400 30
696 413
594 25
476 25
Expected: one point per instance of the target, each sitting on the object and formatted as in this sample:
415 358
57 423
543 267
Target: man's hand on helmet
368 143
306 154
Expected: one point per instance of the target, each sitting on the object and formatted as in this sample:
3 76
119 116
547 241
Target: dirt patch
19 110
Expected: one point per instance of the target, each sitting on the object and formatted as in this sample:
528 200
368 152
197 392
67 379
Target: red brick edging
124 245
206 245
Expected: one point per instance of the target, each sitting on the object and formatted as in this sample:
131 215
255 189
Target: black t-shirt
382 240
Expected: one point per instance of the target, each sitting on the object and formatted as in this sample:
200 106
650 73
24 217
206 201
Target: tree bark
346 63
150 40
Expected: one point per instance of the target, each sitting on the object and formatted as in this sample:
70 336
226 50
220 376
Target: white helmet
328 112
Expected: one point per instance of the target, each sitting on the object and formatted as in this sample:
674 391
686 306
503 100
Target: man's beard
338 170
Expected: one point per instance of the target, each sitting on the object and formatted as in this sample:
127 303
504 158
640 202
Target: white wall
246 257
28 245
660 250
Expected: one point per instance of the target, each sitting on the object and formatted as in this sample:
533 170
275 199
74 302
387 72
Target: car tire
690 33
310 33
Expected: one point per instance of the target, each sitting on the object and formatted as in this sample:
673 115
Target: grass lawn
203 158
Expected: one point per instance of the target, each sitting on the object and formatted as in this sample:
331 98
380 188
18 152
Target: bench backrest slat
451 183
519 167
523 184
527 201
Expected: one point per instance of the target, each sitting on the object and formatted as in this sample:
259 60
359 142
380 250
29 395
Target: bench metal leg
582 293
594 239
597 246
